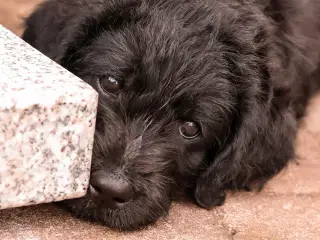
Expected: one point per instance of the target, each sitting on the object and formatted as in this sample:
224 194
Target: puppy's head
171 79
159 113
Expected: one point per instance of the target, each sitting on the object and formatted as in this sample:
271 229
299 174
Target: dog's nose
109 190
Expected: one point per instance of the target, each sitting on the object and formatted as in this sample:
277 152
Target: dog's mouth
142 209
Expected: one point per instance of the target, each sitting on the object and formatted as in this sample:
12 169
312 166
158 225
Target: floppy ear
59 28
262 144
264 128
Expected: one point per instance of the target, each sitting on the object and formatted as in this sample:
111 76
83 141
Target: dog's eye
110 84
189 130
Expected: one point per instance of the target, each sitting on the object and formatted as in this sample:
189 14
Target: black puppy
200 95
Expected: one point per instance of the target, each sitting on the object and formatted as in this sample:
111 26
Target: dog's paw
256 186
208 198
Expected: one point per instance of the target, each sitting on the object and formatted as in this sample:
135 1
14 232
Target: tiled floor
289 208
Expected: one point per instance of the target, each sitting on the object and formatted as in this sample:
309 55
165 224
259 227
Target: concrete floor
288 208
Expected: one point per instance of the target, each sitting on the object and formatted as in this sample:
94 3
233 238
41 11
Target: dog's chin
132 216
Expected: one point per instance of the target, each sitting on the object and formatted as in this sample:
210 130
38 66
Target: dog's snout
111 191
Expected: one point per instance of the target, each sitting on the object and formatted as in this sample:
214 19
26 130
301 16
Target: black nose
110 190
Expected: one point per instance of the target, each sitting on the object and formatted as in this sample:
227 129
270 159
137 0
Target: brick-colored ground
12 12
289 208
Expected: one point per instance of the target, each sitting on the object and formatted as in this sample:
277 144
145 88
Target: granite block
47 122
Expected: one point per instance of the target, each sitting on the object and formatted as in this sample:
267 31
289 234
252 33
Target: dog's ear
260 146
262 134
59 28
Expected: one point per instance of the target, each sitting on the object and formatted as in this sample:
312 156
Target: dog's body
204 95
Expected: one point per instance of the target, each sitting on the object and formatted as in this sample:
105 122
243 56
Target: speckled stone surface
47 121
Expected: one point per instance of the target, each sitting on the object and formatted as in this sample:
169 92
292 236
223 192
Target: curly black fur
243 70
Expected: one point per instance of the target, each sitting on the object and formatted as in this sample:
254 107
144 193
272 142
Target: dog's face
184 96
164 102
